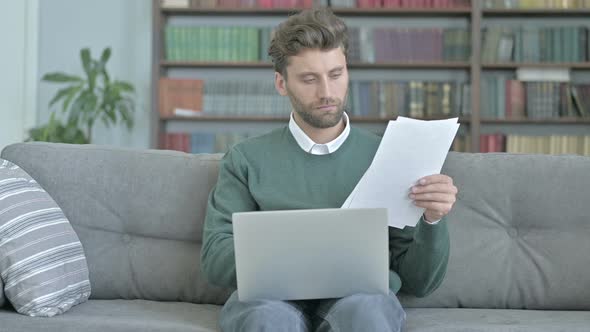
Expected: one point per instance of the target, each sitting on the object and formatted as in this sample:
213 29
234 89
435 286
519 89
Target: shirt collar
310 146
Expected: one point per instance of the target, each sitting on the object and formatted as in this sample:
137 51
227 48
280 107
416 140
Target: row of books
536 44
201 142
388 99
379 99
380 45
269 4
211 43
461 143
369 45
503 98
186 97
547 144
537 4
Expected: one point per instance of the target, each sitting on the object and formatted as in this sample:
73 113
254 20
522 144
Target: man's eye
335 76
308 81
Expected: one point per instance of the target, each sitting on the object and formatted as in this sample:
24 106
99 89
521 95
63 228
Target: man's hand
436 193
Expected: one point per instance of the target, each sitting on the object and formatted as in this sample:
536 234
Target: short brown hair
310 29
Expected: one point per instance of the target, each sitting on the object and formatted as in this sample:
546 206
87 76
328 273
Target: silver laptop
311 254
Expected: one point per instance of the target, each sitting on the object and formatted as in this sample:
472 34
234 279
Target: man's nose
324 90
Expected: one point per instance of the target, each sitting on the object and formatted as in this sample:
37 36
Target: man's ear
280 84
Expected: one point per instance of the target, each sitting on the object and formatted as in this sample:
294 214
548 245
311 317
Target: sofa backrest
138 214
520 233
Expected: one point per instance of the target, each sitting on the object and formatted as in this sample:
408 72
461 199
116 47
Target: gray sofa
520 241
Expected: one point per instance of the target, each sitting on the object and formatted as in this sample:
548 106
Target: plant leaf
79 110
124 86
70 97
109 115
60 94
126 115
106 55
90 67
86 60
89 111
105 78
61 78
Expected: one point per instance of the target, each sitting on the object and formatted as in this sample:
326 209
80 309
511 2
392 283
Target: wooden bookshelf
475 15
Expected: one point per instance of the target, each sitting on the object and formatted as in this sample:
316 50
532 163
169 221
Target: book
180 94
583 109
175 3
515 100
543 74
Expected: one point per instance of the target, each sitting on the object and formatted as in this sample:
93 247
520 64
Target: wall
18 65
66 26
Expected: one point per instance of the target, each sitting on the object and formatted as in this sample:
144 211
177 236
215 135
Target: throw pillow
42 262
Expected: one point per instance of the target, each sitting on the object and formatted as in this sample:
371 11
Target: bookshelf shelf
427 12
535 12
585 121
211 118
572 65
386 65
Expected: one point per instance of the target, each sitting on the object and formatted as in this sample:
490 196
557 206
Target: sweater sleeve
230 194
420 256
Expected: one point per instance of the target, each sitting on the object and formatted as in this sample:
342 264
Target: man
315 162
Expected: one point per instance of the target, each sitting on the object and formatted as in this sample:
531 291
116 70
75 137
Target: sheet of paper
410 149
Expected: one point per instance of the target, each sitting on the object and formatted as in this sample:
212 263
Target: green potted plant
86 100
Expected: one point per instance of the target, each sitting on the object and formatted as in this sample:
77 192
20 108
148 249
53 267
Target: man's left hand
436 193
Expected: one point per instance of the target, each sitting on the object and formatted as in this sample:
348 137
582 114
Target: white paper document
410 149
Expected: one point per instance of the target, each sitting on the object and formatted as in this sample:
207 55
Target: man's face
317 86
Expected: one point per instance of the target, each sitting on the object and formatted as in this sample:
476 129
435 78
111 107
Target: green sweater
271 172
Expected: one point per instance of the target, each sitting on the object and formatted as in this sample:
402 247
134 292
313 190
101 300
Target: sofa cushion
495 320
519 233
138 213
121 316
42 261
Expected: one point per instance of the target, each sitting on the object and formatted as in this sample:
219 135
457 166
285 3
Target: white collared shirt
309 146
314 148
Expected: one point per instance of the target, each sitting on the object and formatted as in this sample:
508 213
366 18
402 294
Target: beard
315 117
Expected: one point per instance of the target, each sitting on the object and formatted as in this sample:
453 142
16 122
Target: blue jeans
359 312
